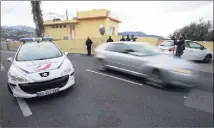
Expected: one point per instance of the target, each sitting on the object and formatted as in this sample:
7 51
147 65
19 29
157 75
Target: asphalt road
109 99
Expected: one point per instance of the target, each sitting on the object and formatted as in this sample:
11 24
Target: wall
92 13
56 33
88 28
111 23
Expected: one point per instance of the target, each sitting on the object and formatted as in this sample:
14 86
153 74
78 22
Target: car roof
127 42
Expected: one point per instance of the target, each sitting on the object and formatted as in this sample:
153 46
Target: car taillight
171 49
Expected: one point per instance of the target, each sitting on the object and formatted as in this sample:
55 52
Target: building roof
50 22
99 17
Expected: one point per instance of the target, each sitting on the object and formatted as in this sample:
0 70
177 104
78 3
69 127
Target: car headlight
66 71
185 71
14 77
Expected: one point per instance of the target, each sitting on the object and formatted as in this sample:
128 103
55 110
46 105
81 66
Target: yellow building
85 24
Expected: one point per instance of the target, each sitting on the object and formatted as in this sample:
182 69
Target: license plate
48 92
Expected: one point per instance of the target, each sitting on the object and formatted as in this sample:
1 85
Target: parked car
194 51
39 68
147 61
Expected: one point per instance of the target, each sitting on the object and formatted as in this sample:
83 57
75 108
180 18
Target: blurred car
39 68
147 61
194 51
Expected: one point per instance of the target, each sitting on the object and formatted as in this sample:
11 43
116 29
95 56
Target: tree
202 31
37 17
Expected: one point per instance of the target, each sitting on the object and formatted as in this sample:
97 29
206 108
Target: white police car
39 68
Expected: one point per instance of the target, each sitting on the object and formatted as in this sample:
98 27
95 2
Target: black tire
207 58
100 65
9 89
156 80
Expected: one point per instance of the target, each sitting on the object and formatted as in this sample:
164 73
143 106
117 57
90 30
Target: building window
56 26
60 26
64 26
53 27
65 37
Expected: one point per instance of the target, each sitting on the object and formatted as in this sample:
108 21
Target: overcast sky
151 17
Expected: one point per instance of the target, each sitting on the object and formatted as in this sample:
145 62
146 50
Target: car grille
41 86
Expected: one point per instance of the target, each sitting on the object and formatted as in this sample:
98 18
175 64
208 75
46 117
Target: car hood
40 65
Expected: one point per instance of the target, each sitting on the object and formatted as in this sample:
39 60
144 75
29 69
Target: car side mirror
202 47
10 59
66 53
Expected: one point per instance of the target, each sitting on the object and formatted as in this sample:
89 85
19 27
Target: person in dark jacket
180 46
133 38
127 38
122 39
109 39
88 44
174 40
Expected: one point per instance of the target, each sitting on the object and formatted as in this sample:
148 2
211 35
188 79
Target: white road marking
24 107
128 81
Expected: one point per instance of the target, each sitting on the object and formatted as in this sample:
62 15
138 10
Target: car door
193 51
117 56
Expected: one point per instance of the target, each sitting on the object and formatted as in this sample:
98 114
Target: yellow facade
86 24
92 13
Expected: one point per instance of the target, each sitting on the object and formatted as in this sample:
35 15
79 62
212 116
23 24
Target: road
109 99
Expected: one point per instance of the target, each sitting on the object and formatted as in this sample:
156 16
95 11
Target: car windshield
38 51
145 48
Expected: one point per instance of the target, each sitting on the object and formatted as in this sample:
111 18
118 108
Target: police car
39 68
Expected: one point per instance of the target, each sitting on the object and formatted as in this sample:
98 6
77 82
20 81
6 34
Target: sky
151 17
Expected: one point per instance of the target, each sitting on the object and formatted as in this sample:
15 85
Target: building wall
88 28
56 33
92 13
111 23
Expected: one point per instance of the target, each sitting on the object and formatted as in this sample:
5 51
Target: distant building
86 23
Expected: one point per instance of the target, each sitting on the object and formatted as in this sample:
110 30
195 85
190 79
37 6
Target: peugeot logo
44 74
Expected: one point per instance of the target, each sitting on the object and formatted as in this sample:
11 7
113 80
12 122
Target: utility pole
66 14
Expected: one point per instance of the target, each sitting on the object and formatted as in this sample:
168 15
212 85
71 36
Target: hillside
16 32
138 34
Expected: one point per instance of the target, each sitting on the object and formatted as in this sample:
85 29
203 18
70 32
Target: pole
66 14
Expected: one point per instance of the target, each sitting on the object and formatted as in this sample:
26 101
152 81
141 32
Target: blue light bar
36 39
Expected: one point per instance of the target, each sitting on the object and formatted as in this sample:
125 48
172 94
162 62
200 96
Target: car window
186 44
167 43
117 47
194 44
145 48
38 51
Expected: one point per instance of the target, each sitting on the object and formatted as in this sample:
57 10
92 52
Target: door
117 56
193 51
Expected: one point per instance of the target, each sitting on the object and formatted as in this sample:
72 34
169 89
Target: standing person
180 46
127 38
122 39
133 38
88 44
109 39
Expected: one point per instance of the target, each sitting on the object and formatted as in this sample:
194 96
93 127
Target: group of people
128 38
179 51
89 42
